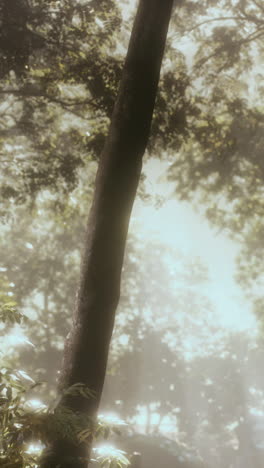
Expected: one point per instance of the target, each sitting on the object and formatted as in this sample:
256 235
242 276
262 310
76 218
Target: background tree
222 160
209 119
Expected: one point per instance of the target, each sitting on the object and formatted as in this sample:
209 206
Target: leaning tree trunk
86 348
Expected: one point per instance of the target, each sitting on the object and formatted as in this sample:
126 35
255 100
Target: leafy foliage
220 165
111 457
9 314
21 426
26 426
44 89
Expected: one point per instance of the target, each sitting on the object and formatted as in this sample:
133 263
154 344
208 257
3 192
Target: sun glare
111 419
35 404
167 426
14 339
34 449
109 455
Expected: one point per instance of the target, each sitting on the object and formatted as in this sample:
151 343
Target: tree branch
251 37
31 92
249 17
211 20
261 7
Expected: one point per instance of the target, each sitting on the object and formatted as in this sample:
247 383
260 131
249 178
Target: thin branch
66 105
249 17
222 18
258 5
30 91
90 102
254 19
11 132
4 112
251 37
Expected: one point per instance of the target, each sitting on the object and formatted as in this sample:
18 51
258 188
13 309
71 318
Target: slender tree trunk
148 420
86 348
136 460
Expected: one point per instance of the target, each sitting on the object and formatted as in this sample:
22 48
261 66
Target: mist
184 386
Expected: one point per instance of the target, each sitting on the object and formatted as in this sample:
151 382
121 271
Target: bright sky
177 224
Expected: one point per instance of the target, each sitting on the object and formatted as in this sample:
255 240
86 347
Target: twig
30 93
222 18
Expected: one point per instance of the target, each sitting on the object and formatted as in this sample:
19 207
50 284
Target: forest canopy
61 63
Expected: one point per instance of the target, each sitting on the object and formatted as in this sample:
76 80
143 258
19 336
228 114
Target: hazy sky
179 226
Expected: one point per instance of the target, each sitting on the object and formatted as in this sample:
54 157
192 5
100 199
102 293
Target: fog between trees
191 386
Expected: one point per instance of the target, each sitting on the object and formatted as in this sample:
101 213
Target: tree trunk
86 347
148 419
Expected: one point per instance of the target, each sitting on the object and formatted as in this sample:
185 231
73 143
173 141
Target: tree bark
86 347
